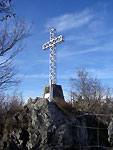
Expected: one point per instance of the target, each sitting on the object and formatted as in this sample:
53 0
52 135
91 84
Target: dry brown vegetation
102 110
90 96
67 107
9 105
86 87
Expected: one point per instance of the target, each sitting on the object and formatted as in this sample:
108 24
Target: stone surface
42 125
110 132
57 92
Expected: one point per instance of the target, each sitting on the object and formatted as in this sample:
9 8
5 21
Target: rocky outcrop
42 125
110 132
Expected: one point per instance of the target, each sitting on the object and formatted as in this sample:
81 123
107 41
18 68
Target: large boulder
42 125
110 132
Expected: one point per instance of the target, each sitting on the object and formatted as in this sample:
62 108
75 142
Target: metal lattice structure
52 68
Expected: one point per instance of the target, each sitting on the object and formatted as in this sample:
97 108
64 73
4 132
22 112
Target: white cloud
69 21
65 53
102 73
67 50
37 76
46 76
42 61
83 39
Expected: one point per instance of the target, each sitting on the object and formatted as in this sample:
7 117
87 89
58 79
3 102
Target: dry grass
66 107
10 105
104 111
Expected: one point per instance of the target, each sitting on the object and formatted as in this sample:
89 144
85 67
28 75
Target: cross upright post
52 68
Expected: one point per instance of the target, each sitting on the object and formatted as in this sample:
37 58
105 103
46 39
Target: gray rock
110 132
44 126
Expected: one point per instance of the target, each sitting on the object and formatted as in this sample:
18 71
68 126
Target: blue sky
87 26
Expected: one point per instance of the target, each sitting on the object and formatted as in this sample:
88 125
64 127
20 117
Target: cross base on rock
57 92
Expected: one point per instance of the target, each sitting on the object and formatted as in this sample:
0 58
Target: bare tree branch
11 37
6 10
87 87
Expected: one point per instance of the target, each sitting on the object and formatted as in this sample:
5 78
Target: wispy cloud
37 76
69 21
83 39
92 35
99 73
42 61
46 76
105 73
67 50
65 53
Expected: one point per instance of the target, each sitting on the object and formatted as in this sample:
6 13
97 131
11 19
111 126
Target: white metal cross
52 68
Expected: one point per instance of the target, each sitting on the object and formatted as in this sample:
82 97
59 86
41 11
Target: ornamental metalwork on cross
52 68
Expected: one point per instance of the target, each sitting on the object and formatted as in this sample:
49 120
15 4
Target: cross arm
53 42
